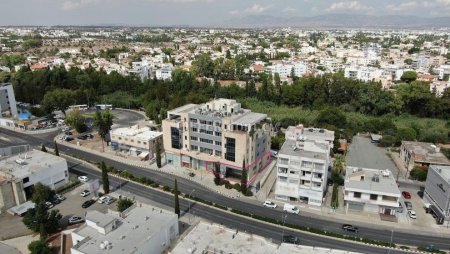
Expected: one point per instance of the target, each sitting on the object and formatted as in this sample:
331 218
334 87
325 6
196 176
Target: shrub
166 188
248 193
419 174
237 187
217 180
123 204
228 185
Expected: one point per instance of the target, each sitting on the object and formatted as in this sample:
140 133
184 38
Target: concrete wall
6 196
434 194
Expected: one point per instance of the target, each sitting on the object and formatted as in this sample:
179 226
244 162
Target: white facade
302 166
371 190
285 70
22 171
165 72
135 140
439 87
362 73
140 229
7 100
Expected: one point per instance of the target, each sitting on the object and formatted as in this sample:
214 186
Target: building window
144 143
206 150
282 170
230 147
26 180
373 197
357 194
185 137
307 164
194 138
218 134
194 148
218 153
194 129
175 138
202 122
204 140
283 161
193 120
218 143
120 138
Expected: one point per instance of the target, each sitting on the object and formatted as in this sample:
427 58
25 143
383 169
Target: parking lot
363 153
72 205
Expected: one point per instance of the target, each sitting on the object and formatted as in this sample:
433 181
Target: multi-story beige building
136 140
218 136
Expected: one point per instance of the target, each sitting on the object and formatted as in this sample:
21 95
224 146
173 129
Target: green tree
338 164
228 54
105 178
43 149
177 201
331 116
123 204
76 120
56 148
40 220
158 153
58 99
244 178
409 76
41 193
406 134
39 247
408 61
103 122
203 66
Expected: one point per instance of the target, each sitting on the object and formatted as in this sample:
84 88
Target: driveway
362 153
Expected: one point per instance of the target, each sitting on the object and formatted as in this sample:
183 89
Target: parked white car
75 219
85 193
270 204
412 214
83 178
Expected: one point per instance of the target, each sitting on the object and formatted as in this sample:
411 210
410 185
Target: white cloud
289 9
69 5
402 7
257 8
348 6
443 3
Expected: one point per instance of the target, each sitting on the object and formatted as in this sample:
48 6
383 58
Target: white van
291 208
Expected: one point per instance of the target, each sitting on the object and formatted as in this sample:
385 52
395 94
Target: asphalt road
375 232
235 222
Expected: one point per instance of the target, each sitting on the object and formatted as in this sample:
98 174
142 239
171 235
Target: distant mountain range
337 21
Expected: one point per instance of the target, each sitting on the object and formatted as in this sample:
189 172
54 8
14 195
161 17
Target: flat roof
139 226
22 208
24 164
99 218
290 148
184 109
208 236
302 249
248 118
134 131
444 171
425 152
363 179
309 133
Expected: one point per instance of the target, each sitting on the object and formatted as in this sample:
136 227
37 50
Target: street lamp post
283 218
392 237
190 204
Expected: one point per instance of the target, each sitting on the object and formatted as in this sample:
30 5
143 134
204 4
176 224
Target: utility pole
392 237
283 218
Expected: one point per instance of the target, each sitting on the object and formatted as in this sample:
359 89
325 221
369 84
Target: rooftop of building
444 171
426 152
100 219
24 164
301 132
248 118
139 226
371 180
136 131
294 148
217 239
213 238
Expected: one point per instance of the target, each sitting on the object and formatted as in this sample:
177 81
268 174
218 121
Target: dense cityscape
270 138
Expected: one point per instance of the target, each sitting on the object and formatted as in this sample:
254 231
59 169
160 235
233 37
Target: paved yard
362 153
12 226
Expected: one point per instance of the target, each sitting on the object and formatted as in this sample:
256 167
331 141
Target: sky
197 12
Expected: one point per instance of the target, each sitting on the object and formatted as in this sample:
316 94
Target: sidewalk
201 177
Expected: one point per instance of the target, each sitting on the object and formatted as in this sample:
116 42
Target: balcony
317 179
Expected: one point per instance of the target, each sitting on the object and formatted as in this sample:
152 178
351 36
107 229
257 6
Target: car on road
406 194
412 214
49 205
269 204
350 228
55 201
88 203
290 208
68 133
85 193
68 139
89 135
75 220
291 239
83 178
191 174
408 205
82 137
110 201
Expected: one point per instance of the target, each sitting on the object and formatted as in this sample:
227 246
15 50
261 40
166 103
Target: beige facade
218 135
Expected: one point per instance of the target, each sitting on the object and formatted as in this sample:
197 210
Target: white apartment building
23 168
165 72
362 73
302 166
371 190
136 140
439 87
7 100
139 229
285 70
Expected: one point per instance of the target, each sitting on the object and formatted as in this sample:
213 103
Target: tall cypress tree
158 153
43 149
105 178
56 149
177 201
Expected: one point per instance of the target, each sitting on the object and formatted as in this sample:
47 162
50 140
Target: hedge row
68 187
